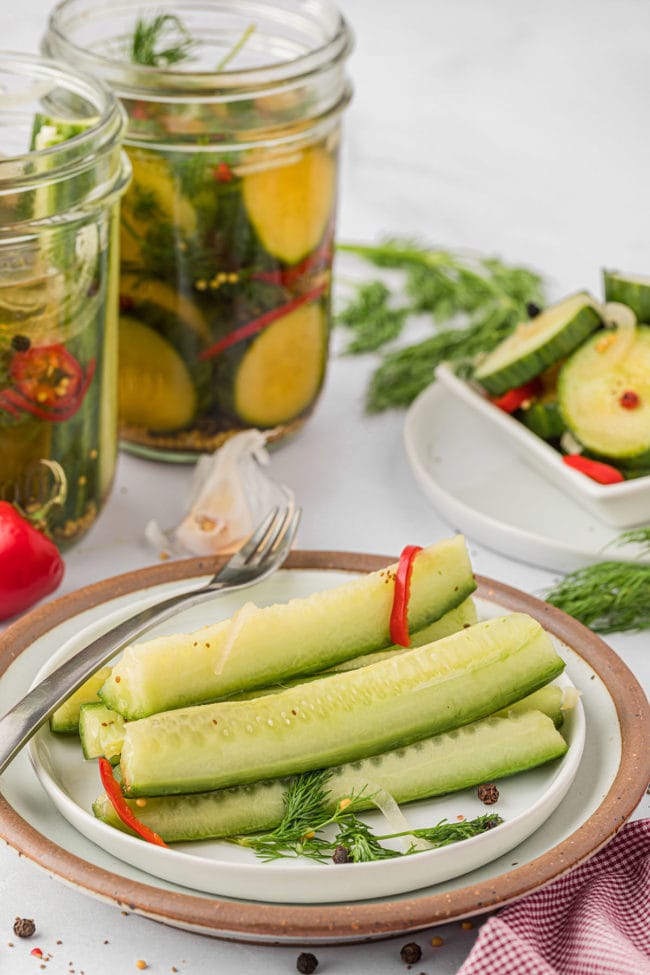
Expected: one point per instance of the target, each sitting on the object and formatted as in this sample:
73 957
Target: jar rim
136 80
104 131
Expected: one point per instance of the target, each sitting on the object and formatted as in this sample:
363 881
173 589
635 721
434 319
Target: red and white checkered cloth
593 921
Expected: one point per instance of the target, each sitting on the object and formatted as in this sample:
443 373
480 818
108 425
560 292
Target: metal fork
257 558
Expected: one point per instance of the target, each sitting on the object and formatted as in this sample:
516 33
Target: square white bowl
622 505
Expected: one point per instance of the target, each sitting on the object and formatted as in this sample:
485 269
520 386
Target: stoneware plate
218 867
610 779
490 492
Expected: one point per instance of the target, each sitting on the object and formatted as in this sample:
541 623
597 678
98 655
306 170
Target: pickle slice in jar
155 387
281 372
152 291
290 200
153 198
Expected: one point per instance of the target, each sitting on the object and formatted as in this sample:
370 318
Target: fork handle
20 723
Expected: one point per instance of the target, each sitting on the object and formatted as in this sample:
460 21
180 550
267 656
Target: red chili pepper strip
258 324
511 401
399 623
121 807
597 471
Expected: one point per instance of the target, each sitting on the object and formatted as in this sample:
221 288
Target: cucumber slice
488 749
632 290
592 402
65 720
341 718
101 731
538 343
155 387
290 200
282 371
266 645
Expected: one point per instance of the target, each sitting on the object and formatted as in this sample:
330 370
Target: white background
517 129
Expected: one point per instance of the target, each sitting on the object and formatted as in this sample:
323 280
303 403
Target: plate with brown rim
611 779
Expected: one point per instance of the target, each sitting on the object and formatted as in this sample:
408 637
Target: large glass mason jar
234 111
61 177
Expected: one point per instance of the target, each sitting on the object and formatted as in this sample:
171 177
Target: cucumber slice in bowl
537 344
608 408
632 290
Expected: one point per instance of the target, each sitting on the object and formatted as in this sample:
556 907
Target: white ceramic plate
218 867
486 489
622 505
610 781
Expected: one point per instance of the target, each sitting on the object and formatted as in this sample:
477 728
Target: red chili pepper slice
595 469
21 397
399 625
119 804
511 401
30 564
48 375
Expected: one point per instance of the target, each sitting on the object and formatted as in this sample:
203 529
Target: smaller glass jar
234 114
62 173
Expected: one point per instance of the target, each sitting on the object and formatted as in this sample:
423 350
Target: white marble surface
512 128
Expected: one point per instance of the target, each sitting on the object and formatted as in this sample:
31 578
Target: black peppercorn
307 963
410 953
341 855
532 309
24 927
488 793
20 343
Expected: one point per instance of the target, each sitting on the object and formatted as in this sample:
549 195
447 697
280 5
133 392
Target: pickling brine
227 229
59 196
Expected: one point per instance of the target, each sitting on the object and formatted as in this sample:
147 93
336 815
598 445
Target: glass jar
227 228
62 173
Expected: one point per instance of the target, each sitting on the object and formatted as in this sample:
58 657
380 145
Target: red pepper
630 400
595 469
121 807
48 375
511 401
222 173
399 624
258 324
30 564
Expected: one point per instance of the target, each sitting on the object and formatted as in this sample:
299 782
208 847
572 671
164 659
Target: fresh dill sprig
307 813
479 300
608 597
160 42
371 319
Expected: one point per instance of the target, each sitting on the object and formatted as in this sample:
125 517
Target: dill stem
236 48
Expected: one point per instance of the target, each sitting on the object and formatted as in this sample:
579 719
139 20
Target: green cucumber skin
532 363
591 428
629 290
544 420
488 749
101 731
299 637
341 718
